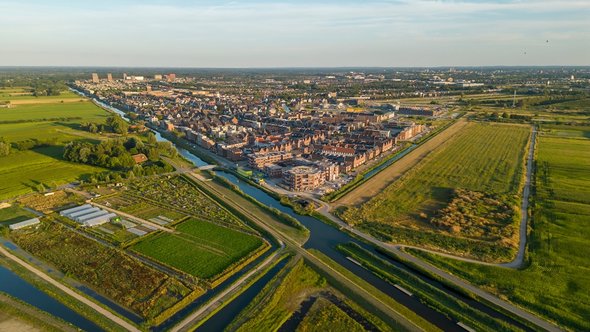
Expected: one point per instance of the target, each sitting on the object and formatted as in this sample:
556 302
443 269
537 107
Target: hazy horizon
258 34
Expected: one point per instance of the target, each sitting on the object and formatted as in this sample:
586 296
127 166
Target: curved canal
324 238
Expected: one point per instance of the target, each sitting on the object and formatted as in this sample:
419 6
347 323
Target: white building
23 224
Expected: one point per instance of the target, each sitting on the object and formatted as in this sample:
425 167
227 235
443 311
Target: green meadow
200 248
47 120
481 159
555 283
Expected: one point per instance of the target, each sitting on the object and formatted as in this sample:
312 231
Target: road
109 315
516 263
394 314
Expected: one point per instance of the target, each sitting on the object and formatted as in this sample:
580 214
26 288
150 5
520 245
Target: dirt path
381 180
524 208
109 315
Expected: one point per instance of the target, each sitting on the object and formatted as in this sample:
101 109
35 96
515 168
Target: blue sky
262 33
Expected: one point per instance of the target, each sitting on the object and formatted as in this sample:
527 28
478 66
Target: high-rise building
95 78
171 77
109 77
124 76
157 77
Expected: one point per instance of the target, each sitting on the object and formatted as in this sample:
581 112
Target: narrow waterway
17 287
325 238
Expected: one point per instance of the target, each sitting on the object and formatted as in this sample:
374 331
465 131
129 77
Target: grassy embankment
462 198
282 297
382 297
555 284
326 316
432 296
18 316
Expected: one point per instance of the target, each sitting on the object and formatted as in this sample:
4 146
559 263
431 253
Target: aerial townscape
347 170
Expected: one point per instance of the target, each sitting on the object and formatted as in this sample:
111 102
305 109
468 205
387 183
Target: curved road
516 263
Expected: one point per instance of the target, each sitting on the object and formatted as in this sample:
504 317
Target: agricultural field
181 194
282 298
110 272
555 283
23 171
49 120
386 177
199 248
478 171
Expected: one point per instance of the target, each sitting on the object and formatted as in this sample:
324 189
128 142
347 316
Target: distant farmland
482 161
555 283
45 119
200 248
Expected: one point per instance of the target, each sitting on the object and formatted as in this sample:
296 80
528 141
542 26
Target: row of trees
117 153
114 124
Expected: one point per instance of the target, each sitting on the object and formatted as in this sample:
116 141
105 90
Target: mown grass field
45 119
200 248
482 158
22 171
108 271
556 282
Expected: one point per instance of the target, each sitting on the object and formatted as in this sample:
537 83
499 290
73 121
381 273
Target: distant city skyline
260 33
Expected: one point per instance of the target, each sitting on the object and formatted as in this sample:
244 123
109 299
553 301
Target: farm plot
141 208
462 198
555 283
199 248
179 193
108 271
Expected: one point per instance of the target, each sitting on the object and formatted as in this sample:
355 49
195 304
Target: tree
4 148
93 128
117 124
151 139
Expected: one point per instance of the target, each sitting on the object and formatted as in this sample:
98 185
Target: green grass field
49 119
200 248
556 283
482 158
22 171
280 298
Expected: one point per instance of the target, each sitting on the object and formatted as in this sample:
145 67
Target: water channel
323 237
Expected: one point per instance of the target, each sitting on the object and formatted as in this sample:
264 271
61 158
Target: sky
304 33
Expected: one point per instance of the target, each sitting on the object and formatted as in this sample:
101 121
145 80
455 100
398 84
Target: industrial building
88 215
23 224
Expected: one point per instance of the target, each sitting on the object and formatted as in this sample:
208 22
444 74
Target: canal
325 238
